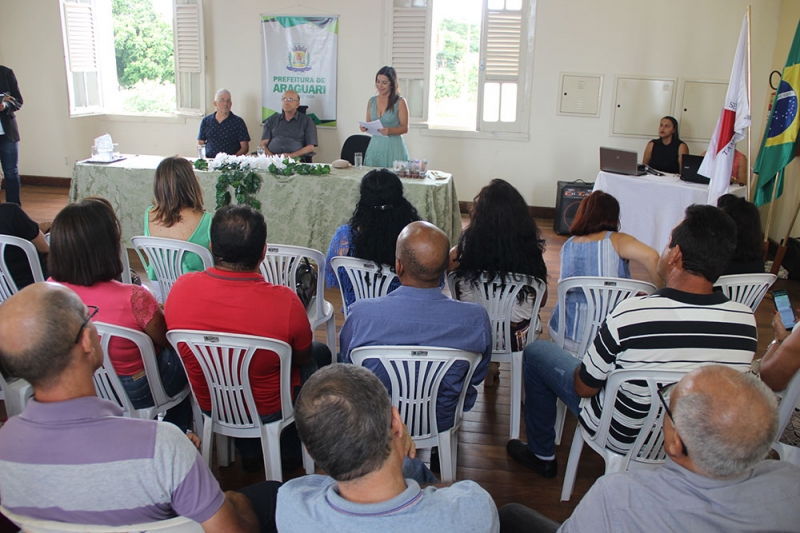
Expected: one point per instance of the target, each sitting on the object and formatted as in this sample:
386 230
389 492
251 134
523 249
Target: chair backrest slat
368 279
165 256
498 297
648 448
415 374
602 295
8 286
225 360
748 289
280 268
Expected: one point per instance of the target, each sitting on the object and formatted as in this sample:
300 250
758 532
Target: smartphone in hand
784 307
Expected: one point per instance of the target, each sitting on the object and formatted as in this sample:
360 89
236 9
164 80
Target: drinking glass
201 151
260 151
358 157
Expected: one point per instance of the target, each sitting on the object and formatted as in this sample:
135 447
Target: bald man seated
72 457
717 432
418 314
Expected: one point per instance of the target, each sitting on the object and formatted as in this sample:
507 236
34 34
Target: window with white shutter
189 56
96 87
464 64
410 49
78 23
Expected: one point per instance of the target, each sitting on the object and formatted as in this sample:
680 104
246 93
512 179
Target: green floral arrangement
240 173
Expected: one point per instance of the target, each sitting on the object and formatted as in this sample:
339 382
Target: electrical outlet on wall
66 160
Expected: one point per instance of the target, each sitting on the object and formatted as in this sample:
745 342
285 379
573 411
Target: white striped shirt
669 330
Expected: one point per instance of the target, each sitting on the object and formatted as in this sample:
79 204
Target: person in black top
14 222
10 102
666 152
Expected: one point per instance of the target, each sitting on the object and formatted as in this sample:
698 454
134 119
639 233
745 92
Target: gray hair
50 340
344 418
725 446
220 93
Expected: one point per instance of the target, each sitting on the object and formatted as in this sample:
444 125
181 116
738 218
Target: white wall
681 39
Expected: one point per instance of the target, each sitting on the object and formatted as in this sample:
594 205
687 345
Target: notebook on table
620 162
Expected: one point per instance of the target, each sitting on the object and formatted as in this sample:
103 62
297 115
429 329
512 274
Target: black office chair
353 144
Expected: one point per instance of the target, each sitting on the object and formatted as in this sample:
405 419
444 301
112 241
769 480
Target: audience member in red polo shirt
233 297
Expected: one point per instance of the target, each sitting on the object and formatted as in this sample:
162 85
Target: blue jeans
549 373
9 156
174 379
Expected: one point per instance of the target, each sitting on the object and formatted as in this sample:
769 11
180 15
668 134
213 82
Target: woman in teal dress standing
391 109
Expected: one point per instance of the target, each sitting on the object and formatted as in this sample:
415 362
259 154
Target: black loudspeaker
568 197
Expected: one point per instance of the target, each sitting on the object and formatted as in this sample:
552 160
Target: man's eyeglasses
660 391
290 100
93 309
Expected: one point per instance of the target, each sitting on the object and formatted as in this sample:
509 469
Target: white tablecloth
650 206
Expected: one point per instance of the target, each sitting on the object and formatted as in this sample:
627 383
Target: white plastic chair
789 401
748 289
34 525
108 385
602 296
280 268
498 297
415 373
647 450
166 258
7 285
15 394
368 279
225 360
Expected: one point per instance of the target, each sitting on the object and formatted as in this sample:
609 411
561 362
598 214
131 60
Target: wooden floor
484 433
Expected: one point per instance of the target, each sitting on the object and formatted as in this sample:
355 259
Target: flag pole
748 189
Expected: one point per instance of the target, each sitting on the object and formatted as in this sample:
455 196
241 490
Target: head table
300 210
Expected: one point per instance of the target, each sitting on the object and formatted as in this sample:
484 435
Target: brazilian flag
780 142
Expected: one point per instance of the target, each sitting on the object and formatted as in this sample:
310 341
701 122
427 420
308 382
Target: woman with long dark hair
502 238
380 215
391 109
597 248
748 258
666 152
85 256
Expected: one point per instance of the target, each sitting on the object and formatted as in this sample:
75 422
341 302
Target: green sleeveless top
201 236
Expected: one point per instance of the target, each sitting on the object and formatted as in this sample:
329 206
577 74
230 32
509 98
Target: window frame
88 37
517 129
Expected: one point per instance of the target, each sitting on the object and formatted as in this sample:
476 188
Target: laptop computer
620 162
689 166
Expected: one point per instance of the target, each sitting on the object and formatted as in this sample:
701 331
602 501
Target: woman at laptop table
666 152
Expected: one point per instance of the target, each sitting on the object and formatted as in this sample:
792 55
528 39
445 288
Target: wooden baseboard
45 180
535 211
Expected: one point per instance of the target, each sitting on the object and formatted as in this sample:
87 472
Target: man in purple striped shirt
71 456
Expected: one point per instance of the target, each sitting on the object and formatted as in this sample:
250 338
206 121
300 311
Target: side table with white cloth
301 210
650 206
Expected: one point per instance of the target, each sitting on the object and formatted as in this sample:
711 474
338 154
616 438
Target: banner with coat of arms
300 54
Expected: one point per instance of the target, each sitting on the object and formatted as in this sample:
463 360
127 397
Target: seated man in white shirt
350 429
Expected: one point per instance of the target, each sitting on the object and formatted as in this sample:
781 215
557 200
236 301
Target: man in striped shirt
681 327
71 456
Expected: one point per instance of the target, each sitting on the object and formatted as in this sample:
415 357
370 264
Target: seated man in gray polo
71 456
717 431
363 450
289 133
